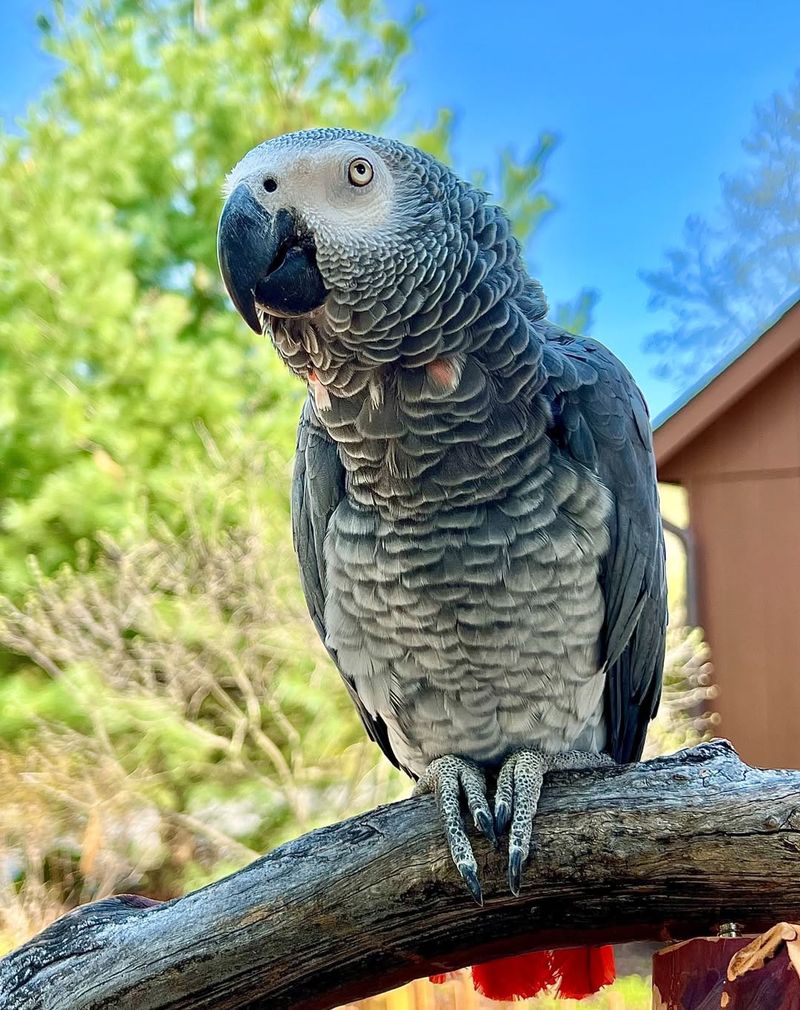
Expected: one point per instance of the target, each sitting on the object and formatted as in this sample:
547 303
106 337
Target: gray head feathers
418 264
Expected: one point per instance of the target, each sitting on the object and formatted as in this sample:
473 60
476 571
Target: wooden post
730 973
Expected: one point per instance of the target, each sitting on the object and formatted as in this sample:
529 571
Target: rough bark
659 850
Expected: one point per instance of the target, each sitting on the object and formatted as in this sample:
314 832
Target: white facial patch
313 179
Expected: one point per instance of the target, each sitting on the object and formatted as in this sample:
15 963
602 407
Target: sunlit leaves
117 340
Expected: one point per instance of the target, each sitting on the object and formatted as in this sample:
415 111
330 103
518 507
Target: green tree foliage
731 273
118 351
190 719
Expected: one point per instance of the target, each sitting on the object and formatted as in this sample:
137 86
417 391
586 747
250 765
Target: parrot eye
270 185
360 172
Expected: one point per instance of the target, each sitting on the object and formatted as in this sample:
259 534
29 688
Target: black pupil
270 185
360 168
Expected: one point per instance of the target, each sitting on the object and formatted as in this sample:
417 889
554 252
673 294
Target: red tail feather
571 974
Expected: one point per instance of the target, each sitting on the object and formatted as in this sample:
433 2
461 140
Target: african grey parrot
474 506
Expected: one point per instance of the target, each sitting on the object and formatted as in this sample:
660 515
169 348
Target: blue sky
651 100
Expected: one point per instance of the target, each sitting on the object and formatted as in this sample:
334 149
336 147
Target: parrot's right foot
449 778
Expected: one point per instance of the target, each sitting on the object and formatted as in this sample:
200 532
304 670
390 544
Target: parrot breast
474 630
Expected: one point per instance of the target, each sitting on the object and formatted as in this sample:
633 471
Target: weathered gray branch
664 849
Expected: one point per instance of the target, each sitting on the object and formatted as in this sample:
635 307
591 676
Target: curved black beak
264 262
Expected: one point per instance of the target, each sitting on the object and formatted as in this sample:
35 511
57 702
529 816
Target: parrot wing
601 420
318 485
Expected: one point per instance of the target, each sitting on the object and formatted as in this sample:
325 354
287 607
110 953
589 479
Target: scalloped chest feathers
475 630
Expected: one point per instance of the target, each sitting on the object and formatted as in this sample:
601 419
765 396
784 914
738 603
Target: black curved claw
470 878
502 817
486 826
515 871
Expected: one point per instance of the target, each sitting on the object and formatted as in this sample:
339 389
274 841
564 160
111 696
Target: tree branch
664 849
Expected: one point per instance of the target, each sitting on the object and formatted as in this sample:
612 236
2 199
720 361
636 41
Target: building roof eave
728 381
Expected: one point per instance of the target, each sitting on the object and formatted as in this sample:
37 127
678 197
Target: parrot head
355 252
327 216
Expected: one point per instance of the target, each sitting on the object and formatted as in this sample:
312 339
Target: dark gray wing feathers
318 485
600 419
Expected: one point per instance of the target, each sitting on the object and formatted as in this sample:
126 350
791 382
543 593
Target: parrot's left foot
519 786
449 778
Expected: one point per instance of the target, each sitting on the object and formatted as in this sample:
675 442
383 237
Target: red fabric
570 974
584 970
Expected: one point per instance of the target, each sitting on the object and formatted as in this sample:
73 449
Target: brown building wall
742 474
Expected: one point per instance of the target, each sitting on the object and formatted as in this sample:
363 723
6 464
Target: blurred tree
732 273
188 723
118 351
